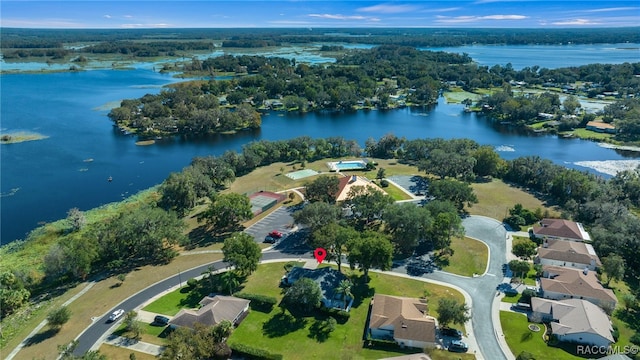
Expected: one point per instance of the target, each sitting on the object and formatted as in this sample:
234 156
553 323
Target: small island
22 136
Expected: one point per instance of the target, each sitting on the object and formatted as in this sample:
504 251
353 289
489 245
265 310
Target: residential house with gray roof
574 320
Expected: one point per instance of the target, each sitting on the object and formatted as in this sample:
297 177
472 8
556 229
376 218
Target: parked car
275 234
458 346
161 320
116 315
270 239
454 333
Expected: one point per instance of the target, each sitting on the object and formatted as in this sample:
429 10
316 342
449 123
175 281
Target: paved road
100 326
481 289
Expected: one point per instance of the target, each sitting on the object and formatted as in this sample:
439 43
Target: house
403 320
328 279
601 127
573 254
560 229
574 320
559 283
346 183
213 310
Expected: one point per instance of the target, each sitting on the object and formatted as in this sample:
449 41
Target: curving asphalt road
481 289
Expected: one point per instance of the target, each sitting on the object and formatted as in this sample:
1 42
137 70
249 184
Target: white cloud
612 9
581 22
107 16
136 26
467 19
388 9
343 17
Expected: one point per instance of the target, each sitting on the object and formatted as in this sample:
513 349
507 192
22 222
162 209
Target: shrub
341 316
58 317
525 356
192 283
253 353
259 302
635 338
615 333
384 183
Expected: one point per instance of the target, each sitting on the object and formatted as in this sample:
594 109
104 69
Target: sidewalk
495 314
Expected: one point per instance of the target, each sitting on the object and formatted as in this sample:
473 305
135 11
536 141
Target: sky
320 14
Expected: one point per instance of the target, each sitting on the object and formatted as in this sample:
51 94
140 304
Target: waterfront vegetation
21 136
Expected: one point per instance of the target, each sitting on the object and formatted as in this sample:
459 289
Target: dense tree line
28 38
148 49
186 110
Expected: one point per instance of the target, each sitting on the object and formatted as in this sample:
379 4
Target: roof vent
585 271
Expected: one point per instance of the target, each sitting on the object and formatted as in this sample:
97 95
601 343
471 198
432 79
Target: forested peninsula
384 77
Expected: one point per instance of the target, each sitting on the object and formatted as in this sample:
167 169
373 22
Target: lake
41 180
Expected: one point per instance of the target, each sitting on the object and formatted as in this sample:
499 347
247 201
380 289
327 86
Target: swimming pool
347 165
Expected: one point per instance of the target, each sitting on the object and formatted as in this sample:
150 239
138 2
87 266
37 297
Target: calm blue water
42 180
547 56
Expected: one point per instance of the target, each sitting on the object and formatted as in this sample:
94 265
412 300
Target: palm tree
230 279
344 288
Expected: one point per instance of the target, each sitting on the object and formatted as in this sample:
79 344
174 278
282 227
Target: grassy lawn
495 198
171 303
118 353
588 134
294 338
520 338
395 192
457 95
469 257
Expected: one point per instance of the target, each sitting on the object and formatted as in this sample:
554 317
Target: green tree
613 266
451 311
13 295
380 174
317 215
58 317
227 211
333 238
242 252
488 162
458 192
202 342
344 290
570 104
146 234
324 188
132 325
370 250
407 224
368 202
519 267
305 294
445 226
524 249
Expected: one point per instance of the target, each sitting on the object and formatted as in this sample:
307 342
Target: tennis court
301 174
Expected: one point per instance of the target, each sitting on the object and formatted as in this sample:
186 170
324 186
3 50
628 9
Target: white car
116 315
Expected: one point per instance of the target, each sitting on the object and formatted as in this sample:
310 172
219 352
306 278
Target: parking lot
280 220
